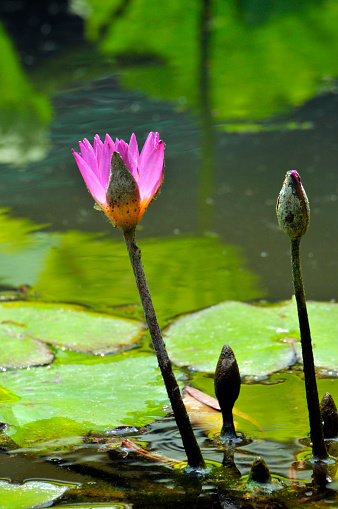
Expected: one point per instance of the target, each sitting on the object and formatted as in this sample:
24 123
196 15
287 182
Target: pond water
238 99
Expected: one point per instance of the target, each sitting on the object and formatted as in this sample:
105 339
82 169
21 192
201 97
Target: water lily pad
29 495
65 326
98 506
20 351
323 318
263 338
128 392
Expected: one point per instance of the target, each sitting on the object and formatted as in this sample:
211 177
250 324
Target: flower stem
193 452
316 428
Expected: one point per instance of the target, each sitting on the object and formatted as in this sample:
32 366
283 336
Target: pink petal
88 155
110 142
108 148
94 185
148 147
122 148
98 145
151 167
133 157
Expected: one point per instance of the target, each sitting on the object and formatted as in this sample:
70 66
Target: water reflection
185 273
231 63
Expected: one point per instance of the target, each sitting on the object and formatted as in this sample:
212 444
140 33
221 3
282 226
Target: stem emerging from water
316 428
193 452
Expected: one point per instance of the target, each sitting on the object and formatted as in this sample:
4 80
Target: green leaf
20 351
106 505
128 392
62 325
323 318
262 338
29 495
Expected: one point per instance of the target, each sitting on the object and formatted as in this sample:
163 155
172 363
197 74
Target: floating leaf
323 317
98 506
62 325
20 351
128 392
29 495
197 339
263 338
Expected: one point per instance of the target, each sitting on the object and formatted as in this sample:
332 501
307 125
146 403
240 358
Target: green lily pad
263 338
29 495
97 506
323 317
62 325
20 351
128 392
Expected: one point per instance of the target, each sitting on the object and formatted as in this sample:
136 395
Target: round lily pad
127 392
263 338
18 350
323 318
65 326
29 495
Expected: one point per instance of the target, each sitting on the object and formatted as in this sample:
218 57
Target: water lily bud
122 181
329 414
259 471
227 386
293 210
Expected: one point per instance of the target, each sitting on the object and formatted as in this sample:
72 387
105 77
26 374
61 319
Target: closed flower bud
293 210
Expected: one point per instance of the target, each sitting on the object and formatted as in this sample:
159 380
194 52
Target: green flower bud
293 209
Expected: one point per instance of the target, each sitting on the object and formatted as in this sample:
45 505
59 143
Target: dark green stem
316 428
193 452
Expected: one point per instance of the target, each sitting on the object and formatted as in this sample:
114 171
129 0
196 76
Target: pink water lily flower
104 173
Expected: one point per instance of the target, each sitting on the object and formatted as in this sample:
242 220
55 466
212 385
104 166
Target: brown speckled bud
123 195
293 210
329 415
259 471
227 386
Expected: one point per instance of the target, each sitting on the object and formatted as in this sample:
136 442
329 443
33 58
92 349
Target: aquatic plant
123 183
227 387
293 214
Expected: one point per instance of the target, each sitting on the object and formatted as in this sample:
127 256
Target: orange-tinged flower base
124 215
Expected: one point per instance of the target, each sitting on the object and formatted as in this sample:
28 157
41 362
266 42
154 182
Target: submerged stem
316 428
193 452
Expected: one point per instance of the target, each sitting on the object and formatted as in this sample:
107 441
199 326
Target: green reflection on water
276 409
183 273
24 111
258 64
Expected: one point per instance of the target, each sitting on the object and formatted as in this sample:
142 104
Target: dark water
247 174
216 181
